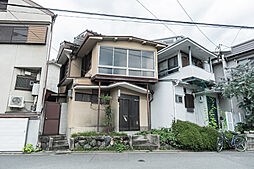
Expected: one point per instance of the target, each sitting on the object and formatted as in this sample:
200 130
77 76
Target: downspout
99 106
174 102
148 107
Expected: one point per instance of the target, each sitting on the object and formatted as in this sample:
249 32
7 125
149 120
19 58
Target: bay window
128 62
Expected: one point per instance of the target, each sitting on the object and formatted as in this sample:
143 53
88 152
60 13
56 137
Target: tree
240 84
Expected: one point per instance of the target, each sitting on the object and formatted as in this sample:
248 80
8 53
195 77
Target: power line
111 19
235 37
134 18
155 16
195 24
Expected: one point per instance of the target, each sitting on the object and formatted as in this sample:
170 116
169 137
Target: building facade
185 87
25 39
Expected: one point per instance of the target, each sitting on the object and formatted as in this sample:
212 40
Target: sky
238 12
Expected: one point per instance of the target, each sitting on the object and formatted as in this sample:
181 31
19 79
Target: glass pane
147 60
135 58
106 56
5 33
120 57
119 71
148 73
163 65
105 70
19 34
3 7
135 72
172 62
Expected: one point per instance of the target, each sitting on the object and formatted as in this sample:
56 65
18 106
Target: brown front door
52 117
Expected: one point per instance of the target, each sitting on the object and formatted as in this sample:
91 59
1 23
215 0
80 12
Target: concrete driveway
148 160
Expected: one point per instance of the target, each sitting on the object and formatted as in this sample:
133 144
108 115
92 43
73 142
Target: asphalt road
151 160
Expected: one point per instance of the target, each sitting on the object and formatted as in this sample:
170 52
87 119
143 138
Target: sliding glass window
128 62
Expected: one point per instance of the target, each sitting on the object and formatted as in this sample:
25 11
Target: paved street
174 160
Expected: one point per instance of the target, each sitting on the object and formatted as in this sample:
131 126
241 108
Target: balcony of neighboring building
186 61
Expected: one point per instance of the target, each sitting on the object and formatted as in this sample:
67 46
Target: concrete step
58 137
60 147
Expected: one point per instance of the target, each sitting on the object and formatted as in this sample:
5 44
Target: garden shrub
190 136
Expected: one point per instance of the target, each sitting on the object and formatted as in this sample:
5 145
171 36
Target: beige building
25 38
122 67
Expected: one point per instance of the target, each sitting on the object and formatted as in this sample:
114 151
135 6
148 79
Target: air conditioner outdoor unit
16 101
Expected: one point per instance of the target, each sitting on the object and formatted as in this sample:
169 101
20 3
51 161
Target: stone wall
100 142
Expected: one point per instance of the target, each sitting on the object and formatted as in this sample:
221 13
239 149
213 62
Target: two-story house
123 67
239 54
184 90
25 39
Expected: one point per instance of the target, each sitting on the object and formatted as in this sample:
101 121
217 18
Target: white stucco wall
191 71
163 105
53 77
32 132
23 14
162 111
63 118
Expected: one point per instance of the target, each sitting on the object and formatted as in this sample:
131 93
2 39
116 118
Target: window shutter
37 34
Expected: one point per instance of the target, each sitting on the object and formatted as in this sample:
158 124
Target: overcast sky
239 12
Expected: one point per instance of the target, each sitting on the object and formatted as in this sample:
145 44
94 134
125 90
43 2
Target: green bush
190 136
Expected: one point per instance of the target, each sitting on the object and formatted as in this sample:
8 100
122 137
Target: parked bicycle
239 141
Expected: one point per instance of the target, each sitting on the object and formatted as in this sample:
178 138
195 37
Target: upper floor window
168 65
24 82
3 7
23 34
129 62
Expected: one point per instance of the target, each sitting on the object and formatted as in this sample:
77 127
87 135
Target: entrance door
129 113
212 110
52 116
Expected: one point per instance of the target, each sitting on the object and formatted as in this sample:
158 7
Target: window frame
26 40
127 68
26 77
4 7
177 99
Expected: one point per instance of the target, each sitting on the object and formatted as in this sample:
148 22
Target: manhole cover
141 161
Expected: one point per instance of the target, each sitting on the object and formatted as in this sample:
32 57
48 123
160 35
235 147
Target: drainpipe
99 106
148 107
174 102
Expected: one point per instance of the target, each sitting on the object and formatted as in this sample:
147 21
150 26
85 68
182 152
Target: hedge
190 136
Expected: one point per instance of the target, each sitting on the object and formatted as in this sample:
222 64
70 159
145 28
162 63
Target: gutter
121 84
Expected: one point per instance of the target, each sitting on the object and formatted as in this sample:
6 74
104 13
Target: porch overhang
198 82
111 86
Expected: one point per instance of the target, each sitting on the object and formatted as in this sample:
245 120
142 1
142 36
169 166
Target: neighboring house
184 91
120 66
239 54
25 38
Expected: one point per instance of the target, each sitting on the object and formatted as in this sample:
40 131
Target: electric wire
195 24
133 18
156 17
